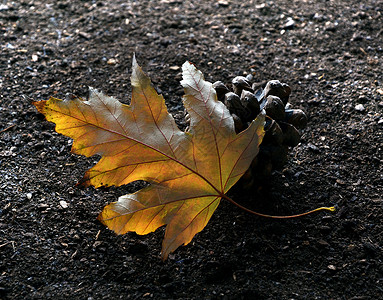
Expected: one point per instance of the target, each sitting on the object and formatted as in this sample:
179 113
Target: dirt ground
329 52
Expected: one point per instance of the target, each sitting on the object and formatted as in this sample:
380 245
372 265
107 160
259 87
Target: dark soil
329 52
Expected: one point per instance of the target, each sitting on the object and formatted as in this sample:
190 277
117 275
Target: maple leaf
188 172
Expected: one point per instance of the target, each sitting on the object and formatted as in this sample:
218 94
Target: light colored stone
63 204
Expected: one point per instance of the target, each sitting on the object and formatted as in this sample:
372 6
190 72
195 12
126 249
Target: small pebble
223 3
289 24
63 204
4 7
360 107
43 206
84 35
29 196
331 267
111 61
313 148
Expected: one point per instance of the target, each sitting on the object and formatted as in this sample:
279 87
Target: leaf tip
84 182
134 60
187 64
100 218
39 105
138 76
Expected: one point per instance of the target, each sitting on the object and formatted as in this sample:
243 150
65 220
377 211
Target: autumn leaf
188 172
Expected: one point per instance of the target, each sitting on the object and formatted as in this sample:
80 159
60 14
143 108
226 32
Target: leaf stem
332 208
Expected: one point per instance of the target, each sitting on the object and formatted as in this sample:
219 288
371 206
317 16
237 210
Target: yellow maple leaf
188 172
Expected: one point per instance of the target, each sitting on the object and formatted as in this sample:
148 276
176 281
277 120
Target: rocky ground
329 52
